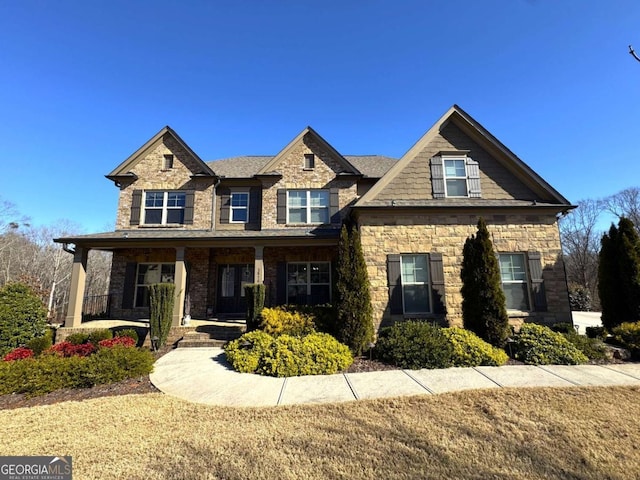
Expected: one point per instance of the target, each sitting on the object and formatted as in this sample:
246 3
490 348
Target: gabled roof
270 167
484 138
124 169
371 166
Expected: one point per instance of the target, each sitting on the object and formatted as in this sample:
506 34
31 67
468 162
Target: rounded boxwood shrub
414 344
96 336
39 344
469 350
77 338
278 321
245 352
539 345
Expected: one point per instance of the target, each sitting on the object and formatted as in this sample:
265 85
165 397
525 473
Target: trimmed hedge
37 376
469 350
287 356
278 321
539 345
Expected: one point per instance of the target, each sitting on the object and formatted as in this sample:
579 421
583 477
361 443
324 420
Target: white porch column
258 270
181 286
76 290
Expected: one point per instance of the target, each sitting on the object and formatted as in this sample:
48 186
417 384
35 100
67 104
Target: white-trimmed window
455 176
148 274
415 284
309 161
514 281
308 283
308 206
164 208
239 205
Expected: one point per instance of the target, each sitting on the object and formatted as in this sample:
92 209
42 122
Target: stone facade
385 234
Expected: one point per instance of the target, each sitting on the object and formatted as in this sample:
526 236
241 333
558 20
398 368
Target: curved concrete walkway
202 375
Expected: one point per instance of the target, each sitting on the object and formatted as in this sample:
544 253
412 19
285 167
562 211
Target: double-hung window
455 177
514 281
308 206
308 283
164 208
239 205
415 284
148 274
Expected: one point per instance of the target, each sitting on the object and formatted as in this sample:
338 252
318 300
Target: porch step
213 336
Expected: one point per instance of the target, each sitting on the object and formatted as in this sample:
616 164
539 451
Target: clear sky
86 83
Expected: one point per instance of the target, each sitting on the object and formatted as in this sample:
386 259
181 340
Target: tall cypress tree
352 300
484 310
619 275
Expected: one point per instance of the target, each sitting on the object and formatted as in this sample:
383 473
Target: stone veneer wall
411 233
152 177
295 176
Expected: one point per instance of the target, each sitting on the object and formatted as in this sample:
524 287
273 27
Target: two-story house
212 227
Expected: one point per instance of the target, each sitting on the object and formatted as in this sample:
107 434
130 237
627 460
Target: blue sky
84 84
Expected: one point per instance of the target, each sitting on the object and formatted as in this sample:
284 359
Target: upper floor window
309 161
455 176
164 208
514 281
308 206
239 205
167 162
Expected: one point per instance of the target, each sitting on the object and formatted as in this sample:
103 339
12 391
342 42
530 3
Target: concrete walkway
202 375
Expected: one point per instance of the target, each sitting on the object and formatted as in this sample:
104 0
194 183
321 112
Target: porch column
181 286
76 290
258 271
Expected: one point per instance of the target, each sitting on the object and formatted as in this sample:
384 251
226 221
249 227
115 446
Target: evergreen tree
619 275
352 299
484 309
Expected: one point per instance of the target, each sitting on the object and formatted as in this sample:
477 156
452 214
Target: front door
232 279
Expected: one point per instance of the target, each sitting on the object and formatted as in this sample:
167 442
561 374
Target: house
212 227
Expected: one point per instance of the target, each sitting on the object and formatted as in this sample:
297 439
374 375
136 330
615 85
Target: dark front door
231 281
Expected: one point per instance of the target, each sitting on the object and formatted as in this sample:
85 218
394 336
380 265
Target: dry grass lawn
576 433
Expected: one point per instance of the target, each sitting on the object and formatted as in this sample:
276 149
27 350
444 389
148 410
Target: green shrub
96 336
280 359
322 316
39 344
117 363
596 332
628 335
593 348
23 316
245 352
469 350
127 332
278 321
77 338
539 345
255 294
414 344
563 327
161 300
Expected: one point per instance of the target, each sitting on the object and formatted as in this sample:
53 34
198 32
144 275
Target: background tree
352 299
484 310
625 203
619 275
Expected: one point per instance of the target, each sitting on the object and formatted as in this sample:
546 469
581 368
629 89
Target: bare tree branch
633 53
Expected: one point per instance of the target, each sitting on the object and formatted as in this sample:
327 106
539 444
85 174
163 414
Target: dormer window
455 177
309 161
167 162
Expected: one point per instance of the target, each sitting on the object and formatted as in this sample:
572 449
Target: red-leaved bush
19 353
124 341
67 349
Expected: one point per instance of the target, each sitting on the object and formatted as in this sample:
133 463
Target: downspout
213 204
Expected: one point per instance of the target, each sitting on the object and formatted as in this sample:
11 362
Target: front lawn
586 433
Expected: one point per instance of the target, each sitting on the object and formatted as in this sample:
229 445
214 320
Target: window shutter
255 200
129 287
437 177
281 283
436 271
188 207
473 177
395 283
136 203
282 206
225 205
334 206
537 282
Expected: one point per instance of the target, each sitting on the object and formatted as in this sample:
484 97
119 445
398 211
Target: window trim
308 208
136 285
164 208
308 283
428 283
232 208
463 159
526 281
